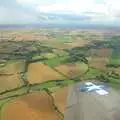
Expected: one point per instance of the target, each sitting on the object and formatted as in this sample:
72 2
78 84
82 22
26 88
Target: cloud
64 16
11 12
30 11
106 7
11 16
41 2
73 6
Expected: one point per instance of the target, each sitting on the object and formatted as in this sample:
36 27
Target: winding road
91 105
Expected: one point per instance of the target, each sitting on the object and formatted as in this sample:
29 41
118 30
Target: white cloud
31 2
73 6
41 2
105 10
12 16
108 7
113 7
52 8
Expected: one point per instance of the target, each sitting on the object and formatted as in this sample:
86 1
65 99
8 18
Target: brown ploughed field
60 97
71 70
98 63
35 106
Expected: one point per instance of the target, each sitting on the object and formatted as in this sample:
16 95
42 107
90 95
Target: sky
30 11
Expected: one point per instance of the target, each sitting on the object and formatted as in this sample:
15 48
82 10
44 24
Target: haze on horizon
106 12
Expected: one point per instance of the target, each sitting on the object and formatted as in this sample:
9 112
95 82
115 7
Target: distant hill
58 25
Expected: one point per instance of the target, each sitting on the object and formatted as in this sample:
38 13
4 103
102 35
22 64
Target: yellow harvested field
31 37
35 106
38 73
79 43
56 44
99 63
9 82
9 77
118 70
12 68
60 98
72 70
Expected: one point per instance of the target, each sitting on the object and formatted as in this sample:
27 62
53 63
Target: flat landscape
38 65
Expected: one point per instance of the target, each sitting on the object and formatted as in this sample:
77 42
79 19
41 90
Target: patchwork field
49 55
60 97
115 61
12 67
10 77
31 37
78 43
9 82
118 70
98 62
38 73
72 70
51 59
104 52
55 44
35 106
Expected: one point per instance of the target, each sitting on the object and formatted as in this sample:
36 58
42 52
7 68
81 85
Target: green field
91 74
115 61
64 39
55 61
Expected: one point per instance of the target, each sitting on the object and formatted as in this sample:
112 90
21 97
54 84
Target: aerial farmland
38 65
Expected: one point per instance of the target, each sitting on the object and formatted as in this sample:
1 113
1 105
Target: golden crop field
10 77
35 106
38 73
9 82
12 68
78 43
72 70
60 97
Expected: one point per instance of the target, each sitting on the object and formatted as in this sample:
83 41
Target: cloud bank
34 11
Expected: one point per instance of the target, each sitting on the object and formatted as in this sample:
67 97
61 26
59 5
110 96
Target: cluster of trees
22 50
108 77
77 55
74 58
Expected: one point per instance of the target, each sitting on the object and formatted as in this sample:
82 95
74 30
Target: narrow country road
91 105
